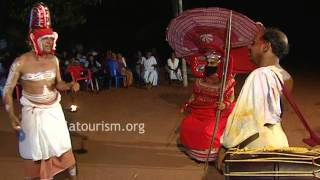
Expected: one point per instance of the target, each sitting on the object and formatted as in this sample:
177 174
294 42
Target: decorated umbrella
193 31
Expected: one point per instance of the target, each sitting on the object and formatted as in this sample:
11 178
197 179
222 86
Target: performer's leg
72 173
220 159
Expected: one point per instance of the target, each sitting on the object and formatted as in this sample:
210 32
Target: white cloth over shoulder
44 131
258 103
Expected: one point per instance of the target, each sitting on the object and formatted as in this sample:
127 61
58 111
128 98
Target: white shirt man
150 74
173 69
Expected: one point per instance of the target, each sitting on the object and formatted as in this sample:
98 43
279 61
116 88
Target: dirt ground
145 146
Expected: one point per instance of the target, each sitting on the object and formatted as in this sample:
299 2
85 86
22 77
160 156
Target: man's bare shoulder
20 60
30 56
25 57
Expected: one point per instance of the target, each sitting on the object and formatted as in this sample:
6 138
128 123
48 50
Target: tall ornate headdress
40 27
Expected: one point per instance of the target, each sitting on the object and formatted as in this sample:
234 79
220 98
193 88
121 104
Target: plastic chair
114 73
78 73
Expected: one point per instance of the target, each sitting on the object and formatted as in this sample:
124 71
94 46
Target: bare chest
36 66
39 70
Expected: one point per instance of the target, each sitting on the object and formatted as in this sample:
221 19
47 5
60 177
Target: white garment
124 62
44 131
150 74
273 136
258 103
176 75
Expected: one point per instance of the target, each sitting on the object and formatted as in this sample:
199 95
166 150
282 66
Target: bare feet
220 160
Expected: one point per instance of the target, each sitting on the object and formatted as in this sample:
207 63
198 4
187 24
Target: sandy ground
145 146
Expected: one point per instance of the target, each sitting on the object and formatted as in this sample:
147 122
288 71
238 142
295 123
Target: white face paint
46 43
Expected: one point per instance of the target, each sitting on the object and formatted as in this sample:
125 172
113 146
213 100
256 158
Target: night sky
140 24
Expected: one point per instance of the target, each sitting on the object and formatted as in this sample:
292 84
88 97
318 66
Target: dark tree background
140 24
66 16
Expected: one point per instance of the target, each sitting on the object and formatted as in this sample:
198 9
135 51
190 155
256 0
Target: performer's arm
230 99
187 104
61 85
226 101
191 99
13 77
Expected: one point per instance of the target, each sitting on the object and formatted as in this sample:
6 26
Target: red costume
197 128
197 35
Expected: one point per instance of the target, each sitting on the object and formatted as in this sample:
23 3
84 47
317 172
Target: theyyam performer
196 128
44 140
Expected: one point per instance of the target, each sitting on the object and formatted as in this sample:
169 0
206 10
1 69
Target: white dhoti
151 77
173 69
44 132
175 75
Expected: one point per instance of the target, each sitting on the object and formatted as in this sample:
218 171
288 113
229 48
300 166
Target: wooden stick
222 89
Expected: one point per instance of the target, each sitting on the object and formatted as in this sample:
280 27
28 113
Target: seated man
173 68
255 121
138 68
150 74
124 70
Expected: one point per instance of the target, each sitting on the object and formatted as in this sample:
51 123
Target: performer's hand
15 123
75 86
62 86
184 107
221 106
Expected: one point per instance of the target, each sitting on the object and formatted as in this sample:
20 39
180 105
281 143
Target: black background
130 25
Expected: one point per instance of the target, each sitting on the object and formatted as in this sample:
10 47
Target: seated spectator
173 68
124 70
82 60
96 69
150 74
93 64
74 66
138 69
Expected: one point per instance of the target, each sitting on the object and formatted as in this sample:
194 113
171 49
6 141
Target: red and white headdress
40 27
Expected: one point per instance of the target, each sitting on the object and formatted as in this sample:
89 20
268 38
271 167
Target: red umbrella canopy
203 29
